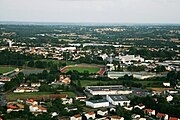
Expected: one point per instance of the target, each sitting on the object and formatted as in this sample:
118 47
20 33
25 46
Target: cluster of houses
27 87
118 95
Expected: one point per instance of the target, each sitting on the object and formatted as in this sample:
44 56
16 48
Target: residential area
89 72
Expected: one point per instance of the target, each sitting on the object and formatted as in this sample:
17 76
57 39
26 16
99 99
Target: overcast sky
98 11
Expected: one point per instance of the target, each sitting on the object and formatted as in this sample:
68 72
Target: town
84 72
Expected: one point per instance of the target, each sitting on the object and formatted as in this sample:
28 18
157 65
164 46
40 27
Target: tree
119 111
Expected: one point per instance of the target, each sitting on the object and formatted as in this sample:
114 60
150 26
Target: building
169 98
162 116
140 106
37 109
166 84
130 58
81 98
108 90
138 75
76 117
90 115
117 118
97 103
150 112
35 84
173 118
14 106
128 108
118 100
102 112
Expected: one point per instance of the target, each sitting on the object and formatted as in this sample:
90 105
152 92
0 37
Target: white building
118 100
76 117
108 90
97 103
90 115
150 112
129 58
102 113
140 106
166 84
169 98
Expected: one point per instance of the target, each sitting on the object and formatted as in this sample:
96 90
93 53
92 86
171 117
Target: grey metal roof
118 98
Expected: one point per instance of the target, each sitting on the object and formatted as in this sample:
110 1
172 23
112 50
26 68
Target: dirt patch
160 89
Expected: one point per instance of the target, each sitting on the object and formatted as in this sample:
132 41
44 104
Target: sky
91 11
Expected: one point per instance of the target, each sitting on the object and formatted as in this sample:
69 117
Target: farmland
6 69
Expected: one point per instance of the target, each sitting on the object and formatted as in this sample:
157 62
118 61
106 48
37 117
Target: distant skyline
91 11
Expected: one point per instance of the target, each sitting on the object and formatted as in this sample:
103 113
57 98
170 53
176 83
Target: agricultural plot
6 69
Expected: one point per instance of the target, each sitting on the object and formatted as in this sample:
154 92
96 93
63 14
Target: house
24 84
117 118
81 98
140 106
35 84
5 79
76 117
102 112
150 112
128 108
70 108
14 106
37 109
166 84
97 103
173 118
67 101
135 116
31 102
162 116
90 115
66 80
169 98
118 100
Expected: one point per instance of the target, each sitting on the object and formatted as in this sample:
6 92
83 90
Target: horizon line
80 23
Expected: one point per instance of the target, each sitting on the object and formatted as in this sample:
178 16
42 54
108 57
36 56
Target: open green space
70 94
85 83
6 69
15 96
82 69
144 83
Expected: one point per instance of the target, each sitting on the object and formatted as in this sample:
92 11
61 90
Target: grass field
6 69
85 83
82 69
70 94
15 96
143 82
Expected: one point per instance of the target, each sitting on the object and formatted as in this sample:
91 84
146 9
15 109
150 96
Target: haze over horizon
91 11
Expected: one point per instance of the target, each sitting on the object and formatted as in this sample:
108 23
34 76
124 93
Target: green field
15 96
6 69
82 69
85 83
70 94
144 83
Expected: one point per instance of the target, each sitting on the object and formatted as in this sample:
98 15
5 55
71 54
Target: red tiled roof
116 117
173 118
77 116
11 107
161 115
148 110
90 113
